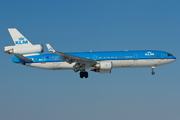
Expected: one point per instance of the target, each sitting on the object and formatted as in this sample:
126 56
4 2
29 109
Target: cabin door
95 57
162 56
135 57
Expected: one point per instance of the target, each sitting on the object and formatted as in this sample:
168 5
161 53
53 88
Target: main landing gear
153 73
83 74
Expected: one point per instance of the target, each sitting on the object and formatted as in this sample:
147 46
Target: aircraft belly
148 62
139 63
51 65
54 65
166 61
64 65
123 63
115 63
126 63
42 65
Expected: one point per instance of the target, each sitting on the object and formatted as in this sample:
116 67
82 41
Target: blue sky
99 25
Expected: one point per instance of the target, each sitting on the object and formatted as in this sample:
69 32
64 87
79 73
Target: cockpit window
170 55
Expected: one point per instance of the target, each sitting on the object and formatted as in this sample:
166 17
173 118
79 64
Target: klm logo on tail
21 38
21 41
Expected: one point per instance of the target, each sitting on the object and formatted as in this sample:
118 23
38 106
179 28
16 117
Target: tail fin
18 38
22 45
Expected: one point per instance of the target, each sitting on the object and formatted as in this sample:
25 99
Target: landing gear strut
83 74
153 73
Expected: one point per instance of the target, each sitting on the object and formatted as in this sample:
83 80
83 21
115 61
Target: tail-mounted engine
27 49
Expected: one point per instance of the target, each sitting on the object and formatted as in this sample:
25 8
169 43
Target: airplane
102 62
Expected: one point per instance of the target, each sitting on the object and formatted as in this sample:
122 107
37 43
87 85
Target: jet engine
103 67
28 49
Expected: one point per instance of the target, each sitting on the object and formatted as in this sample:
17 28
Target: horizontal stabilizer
21 57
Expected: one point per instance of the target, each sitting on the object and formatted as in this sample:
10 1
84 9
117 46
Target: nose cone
172 60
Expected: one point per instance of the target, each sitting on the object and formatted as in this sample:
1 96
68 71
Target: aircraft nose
174 59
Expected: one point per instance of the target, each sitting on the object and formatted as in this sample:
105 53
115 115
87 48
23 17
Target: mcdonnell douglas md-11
102 62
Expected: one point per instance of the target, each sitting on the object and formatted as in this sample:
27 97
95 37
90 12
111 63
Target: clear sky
99 25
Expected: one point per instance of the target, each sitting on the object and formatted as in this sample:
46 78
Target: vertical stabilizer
18 38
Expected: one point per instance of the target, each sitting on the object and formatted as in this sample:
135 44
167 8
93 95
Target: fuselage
29 54
119 59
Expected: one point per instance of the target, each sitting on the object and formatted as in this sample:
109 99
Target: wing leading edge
81 63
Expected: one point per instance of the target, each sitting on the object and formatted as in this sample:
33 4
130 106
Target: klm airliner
102 62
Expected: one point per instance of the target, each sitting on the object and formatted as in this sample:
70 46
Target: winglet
50 48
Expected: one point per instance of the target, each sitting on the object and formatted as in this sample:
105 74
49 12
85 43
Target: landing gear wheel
86 74
153 73
83 74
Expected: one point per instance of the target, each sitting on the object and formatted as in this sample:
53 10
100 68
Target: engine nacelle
103 67
24 49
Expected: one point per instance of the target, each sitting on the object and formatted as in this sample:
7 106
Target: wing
81 63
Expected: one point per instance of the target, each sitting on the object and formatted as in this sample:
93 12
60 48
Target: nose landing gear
153 73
